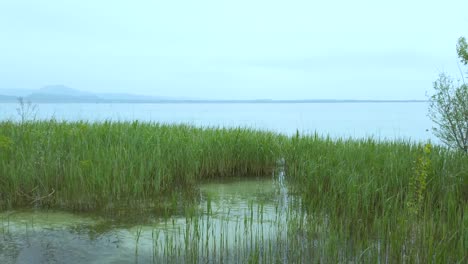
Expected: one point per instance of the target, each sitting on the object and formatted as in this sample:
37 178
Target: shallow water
232 220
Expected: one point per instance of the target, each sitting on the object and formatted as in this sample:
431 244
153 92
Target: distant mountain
62 90
62 98
17 92
65 94
7 98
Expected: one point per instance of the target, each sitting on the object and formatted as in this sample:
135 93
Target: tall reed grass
80 165
376 200
405 200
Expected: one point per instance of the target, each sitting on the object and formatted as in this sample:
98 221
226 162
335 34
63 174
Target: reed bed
363 200
400 201
84 165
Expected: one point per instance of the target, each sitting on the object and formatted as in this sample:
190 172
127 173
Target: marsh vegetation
323 199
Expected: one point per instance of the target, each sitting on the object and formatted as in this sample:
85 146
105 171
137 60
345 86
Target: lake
236 220
389 120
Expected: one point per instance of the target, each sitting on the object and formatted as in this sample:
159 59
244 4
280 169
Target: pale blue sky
242 49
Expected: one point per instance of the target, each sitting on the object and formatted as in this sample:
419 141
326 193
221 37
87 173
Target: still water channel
231 222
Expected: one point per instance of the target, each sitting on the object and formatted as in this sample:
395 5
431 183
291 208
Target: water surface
231 219
405 120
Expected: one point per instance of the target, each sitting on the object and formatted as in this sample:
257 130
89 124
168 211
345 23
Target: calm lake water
233 219
407 121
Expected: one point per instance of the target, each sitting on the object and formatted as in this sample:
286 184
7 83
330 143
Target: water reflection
232 220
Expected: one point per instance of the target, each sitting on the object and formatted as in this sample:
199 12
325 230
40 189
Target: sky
239 49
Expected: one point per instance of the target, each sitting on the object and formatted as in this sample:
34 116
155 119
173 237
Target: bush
448 107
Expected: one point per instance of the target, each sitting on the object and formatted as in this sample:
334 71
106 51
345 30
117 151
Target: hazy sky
240 49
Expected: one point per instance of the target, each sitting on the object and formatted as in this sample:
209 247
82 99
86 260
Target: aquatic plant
363 187
362 200
418 181
88 165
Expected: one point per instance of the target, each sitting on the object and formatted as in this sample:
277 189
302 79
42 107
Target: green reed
396 201
83 165
363 200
